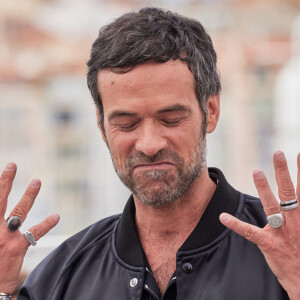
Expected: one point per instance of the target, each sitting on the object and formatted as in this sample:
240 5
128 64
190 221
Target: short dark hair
153 34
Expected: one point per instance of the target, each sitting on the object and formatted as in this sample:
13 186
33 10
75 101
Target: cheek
185 138
120 147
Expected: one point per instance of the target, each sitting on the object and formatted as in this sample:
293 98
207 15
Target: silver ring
30 238
13 223
4 296
288 205
275 220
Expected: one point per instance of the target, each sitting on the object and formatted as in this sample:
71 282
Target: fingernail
55 217
224 218
35 183
10 166
280 156
258 174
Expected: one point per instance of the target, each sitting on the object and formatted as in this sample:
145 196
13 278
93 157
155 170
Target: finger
298 177
268 200
45 226
23 207
286 190
6 180
250 232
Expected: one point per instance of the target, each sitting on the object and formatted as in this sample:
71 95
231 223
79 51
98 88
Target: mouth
154 166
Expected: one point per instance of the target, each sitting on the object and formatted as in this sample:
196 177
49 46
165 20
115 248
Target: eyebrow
172 108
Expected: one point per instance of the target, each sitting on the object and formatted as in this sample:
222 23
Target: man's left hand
280 246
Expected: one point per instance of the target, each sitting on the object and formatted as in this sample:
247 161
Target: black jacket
106 260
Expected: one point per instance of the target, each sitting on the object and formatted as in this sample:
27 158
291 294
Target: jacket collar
225 199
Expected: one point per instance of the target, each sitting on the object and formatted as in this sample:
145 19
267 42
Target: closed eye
171 123
124 121
127 126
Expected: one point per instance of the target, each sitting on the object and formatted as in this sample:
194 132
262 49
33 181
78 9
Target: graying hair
153 34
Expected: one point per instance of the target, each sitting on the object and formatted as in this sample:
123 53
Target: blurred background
47 117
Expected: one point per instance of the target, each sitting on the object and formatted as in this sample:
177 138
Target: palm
280 246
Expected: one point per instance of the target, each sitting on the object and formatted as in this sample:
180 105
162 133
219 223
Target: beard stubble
161 187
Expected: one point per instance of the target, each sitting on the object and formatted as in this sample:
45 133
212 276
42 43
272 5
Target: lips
156 165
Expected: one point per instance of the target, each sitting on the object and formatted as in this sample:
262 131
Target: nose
150 140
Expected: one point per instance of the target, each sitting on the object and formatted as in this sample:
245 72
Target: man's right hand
13 245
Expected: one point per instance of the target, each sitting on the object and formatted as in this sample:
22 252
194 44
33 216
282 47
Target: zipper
150 291
172 280
149 271
147 287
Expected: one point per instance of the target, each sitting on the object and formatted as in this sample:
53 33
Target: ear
99 125
213 112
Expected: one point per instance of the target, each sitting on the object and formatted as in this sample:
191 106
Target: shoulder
60 261
251 210
82 241
94 234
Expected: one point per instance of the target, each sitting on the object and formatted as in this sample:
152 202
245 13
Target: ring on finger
13 223
275 220
30 238
288 205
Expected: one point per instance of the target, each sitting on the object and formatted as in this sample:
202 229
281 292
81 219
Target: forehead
150 84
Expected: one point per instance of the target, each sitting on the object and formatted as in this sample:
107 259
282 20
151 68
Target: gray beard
175 184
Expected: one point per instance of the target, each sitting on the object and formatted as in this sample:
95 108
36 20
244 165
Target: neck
177 219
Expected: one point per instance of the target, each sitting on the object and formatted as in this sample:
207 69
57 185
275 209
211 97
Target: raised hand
13 244
280 246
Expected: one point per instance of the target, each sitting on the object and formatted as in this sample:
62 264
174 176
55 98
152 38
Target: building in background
47 117
286 121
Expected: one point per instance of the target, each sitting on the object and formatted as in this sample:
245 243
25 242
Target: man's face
152 123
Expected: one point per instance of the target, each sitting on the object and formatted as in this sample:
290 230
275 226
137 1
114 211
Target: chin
156 203
158 195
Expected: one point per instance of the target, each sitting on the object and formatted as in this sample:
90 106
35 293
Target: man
153 77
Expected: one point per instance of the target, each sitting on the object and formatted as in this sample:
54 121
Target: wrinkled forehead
147 79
